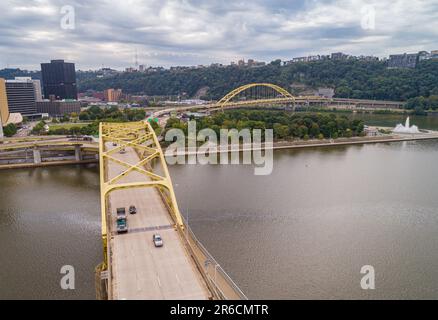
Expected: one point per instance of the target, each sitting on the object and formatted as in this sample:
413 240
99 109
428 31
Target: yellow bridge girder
141 137
226 100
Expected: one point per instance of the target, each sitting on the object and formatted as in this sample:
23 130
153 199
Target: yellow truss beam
287 97
141 137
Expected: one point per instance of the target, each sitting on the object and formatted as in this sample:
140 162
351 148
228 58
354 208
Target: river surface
391 120
307 230
302 232
49 217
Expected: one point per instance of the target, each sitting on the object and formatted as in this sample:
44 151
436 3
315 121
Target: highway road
139 270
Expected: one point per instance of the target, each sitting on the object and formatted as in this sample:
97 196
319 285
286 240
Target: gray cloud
191 32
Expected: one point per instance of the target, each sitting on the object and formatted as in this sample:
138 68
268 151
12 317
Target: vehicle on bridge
158 241
132 209
122 223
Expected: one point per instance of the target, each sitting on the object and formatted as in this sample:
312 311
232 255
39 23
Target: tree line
285 125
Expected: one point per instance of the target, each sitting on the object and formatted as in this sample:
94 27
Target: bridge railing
218 281
221 283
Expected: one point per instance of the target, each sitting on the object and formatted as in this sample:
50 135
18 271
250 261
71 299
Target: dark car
132 210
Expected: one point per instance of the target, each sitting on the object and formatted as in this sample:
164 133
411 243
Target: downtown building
58 108
21 96
59 80
112 95
6 117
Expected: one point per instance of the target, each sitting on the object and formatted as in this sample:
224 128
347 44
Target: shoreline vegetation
285 125
304 124
300 144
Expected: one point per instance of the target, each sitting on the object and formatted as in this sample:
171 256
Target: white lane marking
159 282
177 278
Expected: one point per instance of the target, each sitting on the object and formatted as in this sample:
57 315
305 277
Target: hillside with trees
350 78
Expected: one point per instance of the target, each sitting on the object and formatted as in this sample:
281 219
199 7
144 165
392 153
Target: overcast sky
191 32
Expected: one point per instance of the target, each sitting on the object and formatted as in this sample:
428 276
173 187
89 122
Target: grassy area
68 125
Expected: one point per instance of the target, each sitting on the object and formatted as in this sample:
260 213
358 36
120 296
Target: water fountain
406 128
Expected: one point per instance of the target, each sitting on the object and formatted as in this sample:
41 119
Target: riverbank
296 144
46 164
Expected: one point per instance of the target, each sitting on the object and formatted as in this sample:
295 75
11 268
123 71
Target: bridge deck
139 270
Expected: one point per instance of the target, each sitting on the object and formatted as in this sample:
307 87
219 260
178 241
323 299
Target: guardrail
222 284
219 282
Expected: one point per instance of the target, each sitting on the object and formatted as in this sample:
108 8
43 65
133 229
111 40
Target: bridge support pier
78 153
36 156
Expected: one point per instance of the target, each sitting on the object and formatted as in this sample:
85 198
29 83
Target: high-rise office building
21 96
59 80
4 110
38 91
36 84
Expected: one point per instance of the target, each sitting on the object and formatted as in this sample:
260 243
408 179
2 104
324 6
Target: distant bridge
45 151
271 95
256 94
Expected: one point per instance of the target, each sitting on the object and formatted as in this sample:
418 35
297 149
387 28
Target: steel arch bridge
133 169
140 137
285 96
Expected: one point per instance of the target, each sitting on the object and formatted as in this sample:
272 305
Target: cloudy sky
190 32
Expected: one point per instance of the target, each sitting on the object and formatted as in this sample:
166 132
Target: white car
158 241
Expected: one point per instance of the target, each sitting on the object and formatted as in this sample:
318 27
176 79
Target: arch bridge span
133 171
258 96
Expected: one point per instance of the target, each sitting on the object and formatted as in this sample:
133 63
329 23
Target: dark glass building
59 80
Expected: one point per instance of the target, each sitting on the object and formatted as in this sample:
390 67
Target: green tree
281 131
10 130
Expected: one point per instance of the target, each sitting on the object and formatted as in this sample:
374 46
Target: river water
49 217
303 232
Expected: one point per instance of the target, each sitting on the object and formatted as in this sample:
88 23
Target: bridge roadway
138 269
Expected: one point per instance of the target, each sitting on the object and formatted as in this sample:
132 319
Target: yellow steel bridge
133 171
256 94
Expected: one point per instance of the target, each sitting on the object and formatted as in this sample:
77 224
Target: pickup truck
122 226
122 223
121 213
